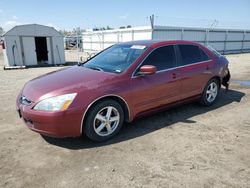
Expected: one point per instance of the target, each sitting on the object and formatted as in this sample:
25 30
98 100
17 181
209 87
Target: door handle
207 67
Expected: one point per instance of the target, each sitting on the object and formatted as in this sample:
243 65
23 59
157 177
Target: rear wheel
104 120
210 93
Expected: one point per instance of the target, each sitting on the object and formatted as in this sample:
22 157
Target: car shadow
151 123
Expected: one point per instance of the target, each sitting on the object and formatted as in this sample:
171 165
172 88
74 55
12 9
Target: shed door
29 50
41 50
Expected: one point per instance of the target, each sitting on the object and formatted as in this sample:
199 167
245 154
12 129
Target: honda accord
123 82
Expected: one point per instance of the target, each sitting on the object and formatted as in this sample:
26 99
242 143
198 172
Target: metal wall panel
97 37
234 36
126 36
145 35
58 50
13 51
110 36
246 45
233 45
29 50
217 45
169 35
223 40
247 36
217 36
194 35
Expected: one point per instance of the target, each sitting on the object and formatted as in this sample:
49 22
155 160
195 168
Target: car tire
104 120
210 93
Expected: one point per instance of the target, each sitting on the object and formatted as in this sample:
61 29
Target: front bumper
53 124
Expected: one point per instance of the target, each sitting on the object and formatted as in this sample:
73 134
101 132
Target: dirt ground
189 146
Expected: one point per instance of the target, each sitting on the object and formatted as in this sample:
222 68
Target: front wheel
104 120
210 93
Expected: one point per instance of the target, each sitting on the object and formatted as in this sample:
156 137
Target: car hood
68 80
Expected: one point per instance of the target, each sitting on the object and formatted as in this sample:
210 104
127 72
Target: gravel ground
189 146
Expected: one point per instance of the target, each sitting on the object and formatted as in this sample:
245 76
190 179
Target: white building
33 45
223 40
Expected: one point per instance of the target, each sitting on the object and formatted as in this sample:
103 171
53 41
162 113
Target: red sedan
124 82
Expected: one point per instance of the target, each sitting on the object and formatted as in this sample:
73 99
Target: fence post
206 37
182 33
242 46
152 33
225 42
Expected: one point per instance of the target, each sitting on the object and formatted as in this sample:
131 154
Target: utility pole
152 20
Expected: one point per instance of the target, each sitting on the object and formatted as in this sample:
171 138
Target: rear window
192 54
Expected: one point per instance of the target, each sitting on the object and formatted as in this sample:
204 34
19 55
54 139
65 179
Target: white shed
33 45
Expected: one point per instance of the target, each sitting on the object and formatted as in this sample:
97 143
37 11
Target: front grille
23 100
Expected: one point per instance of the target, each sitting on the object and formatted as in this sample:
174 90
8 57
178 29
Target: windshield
116 58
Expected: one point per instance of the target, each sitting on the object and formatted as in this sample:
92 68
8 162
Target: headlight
58 103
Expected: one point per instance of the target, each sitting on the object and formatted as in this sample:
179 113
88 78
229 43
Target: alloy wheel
106 121
212 91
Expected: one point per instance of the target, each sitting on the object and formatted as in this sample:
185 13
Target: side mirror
147 70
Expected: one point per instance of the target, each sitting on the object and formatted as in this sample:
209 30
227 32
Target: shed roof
33 30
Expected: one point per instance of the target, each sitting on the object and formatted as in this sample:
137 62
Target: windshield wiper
95 68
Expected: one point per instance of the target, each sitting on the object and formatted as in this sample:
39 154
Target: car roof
156 43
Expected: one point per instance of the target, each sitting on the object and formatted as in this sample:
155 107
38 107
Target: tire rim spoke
115 118
100 117
209 97
99 129
109 129
109 111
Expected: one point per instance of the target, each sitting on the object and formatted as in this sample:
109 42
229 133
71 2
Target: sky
61 14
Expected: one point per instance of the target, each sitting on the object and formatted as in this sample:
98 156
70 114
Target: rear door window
191 54
163 58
